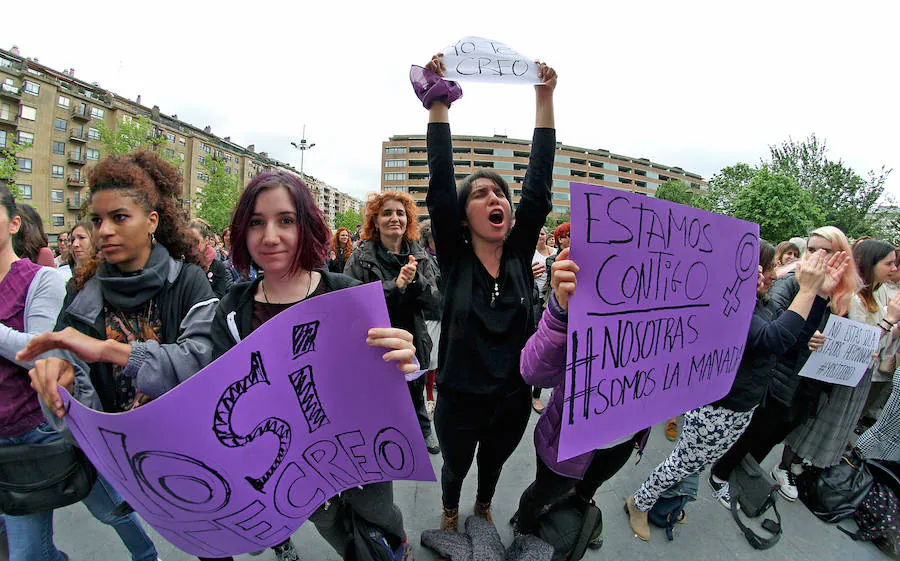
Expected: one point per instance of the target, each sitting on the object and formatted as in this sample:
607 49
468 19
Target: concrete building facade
404 163
52 119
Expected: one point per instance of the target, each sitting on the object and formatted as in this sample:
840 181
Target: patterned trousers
707 434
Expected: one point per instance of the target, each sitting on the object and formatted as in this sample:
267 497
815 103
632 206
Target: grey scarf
131 291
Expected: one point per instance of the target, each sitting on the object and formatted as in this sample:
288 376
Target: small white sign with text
846 354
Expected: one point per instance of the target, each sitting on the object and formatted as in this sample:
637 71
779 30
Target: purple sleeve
544 355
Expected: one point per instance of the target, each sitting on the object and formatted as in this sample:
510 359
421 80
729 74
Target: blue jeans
31 537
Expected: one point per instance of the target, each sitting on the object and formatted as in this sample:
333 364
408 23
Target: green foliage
347 220
9 167
845 198
219 196
128 135
554 219
724 187
677 191
778 204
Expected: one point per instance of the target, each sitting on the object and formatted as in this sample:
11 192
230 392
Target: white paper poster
846 354
476 59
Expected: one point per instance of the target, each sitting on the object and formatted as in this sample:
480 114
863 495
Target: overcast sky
696 85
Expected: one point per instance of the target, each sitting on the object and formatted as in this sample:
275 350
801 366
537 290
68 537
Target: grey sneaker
431 442
286 552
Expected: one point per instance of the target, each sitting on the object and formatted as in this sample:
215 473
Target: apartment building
52 117
404 164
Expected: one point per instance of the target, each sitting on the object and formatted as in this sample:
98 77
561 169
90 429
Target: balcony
81 114
76 136
74 204
77 158
10 92
75 182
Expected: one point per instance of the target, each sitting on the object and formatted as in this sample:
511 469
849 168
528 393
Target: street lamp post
303 146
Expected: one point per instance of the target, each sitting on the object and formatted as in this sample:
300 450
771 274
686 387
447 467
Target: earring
152 239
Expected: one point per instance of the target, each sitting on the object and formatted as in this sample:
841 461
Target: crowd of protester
137 300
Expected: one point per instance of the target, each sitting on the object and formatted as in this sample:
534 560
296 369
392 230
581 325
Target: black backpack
367 541
754 492
666 512
835 493
569 525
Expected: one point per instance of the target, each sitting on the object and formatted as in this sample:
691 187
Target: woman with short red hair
393 256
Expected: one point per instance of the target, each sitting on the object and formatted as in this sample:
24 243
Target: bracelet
889 322
887 325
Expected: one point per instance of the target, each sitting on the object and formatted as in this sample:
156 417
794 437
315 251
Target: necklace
495 293
262 283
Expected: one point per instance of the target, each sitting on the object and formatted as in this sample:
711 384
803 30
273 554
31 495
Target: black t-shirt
263 312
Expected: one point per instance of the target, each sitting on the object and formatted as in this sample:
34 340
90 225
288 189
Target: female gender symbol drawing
745 265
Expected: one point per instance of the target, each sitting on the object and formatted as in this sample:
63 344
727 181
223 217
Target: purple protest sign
658 323
237 457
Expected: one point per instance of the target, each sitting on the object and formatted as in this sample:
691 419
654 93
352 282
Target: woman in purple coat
542 358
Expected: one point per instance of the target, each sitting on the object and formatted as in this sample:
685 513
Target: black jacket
233 320
772 333
482 337
787 387
371 262
219 277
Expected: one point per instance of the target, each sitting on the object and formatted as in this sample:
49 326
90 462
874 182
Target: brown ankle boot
450 519
483 510
637 519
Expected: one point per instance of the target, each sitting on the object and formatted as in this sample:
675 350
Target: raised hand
548 77
811 272
407 273
837 266
436 64
562 278
400 342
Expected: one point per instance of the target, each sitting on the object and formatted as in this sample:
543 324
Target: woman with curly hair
341 248
394 257
141 324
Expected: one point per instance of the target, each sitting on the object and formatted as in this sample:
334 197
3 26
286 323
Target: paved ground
709 533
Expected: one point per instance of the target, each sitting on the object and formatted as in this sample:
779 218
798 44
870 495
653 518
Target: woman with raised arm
709 431
487 282
277 227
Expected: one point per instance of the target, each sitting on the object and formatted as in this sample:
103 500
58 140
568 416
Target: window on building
201 159
63 101
60 124
227 169
170 153
93 154
202 176
31 87
25 190
24 164
560 196
56 196
2 139
181 141
58 220
394 163
181 156
170 137
93 133
59 147
394 176
28 112
5 111
76 174
57 171
23 138
237 160
97 113
395 150
560 209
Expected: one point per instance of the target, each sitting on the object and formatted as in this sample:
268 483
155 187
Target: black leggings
493 425
549 486
770 425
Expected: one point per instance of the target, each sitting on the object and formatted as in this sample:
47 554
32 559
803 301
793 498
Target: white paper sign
476 59
847 353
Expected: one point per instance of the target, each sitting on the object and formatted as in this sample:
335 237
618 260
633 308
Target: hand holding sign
563 278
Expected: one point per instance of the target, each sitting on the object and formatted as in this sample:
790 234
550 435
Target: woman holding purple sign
277 228
709 431
483 404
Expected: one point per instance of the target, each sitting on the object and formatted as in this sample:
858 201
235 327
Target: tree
844 197
219 196
724 187
347 220
128 135
781 207
677 191
9 166
554 219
